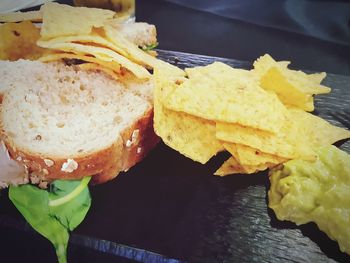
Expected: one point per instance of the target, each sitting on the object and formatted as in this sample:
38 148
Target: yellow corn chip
100 53
289 143
93 39
308 84
18 40
246 155
136 54
219 69
111 65
228 98
318 131
64 20
286 92
317 77
232 149
232 166
191 136
33 16
265 62
283 64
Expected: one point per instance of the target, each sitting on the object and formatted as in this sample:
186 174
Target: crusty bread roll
65 123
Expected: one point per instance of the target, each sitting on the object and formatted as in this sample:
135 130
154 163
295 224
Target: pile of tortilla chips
259 116
87 35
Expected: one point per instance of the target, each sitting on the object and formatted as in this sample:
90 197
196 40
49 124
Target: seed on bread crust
128 143
135 135
133 139
69 166
49 162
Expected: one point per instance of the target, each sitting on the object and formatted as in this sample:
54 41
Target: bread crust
102 165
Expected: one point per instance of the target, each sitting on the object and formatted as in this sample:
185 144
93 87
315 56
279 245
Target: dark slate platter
171 209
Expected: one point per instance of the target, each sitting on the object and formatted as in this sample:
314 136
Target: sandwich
62 127
76 106
61 122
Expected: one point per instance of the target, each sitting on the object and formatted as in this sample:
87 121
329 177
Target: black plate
171 207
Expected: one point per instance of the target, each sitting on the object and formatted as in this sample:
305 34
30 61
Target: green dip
319 192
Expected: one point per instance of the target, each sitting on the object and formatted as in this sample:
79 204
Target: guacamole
319 192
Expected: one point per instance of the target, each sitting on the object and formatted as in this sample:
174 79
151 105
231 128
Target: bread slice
65 123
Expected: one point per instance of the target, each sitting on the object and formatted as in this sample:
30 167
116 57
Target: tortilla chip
264 63
317 77
191 136
33 16
64 20
318 131
246 155
308 84
289 143
228 97
136 54
94 39
288 93
232 166
100 53
111 65
219 69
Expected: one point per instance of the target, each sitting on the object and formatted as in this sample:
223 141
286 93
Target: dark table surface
199 32
193 27
170 207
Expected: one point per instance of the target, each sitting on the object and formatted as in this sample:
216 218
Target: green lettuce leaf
55 212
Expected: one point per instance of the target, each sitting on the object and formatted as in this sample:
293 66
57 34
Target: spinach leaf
53 214
33 203
69 201
150 47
